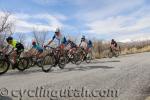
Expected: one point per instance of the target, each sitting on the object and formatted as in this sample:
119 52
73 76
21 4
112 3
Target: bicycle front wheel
4 66
62 62
22 64
48 63
88 57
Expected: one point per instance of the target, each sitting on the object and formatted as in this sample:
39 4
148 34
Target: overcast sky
124 20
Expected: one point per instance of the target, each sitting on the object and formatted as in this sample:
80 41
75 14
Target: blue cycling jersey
38 48
90 44
61 39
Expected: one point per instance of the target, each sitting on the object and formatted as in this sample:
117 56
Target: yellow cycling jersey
14 42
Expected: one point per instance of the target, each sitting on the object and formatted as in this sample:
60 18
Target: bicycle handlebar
49 47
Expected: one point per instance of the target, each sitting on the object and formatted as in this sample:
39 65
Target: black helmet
9 39
112 40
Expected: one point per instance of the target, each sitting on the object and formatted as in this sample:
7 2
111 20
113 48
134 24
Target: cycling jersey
38 48
14 42
61 39
114 43
84 45
90 44
19 47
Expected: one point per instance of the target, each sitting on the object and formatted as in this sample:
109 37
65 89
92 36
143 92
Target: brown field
101 48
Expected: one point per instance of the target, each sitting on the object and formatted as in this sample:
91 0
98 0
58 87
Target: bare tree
6 26
40 36
21 37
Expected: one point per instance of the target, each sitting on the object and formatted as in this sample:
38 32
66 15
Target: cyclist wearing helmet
90 45
83 43
36 50
113 45
70 47
17 48
61 39
70 44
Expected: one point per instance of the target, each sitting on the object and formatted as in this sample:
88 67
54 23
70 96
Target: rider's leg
14 54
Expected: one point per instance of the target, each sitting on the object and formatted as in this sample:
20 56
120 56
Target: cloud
27 22
120 19
105 19
119 24
106 8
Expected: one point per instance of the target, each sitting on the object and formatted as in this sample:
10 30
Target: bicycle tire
88 57
47 68
77 59
22 64
62 62
2 63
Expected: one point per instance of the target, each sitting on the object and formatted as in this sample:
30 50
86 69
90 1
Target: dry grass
101 49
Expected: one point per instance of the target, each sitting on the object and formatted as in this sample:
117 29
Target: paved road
123 78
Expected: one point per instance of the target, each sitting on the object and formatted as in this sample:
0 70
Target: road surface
123 78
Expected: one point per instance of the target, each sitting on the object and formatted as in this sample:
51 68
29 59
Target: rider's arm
12 50
51 40
4 50
80 44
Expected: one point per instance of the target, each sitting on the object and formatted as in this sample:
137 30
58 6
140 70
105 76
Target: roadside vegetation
101 48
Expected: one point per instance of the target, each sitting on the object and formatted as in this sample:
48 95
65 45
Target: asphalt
123 78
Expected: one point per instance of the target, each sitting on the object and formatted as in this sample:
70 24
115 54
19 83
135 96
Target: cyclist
90 45
61 39
16 49
84 46
36 50
70 46
113 45
83 43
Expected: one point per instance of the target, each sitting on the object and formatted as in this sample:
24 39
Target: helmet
83 37
33 42
112 40
69 40
9 39
57 30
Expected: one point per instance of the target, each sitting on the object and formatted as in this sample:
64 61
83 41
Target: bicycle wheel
116 53
88 57
110 54
30 62
49 62
62 62
22 64
4 66
72 59
78 58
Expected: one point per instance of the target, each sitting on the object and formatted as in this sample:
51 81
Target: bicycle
114 52
6 61
70 55
54 58
33 61
82 55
